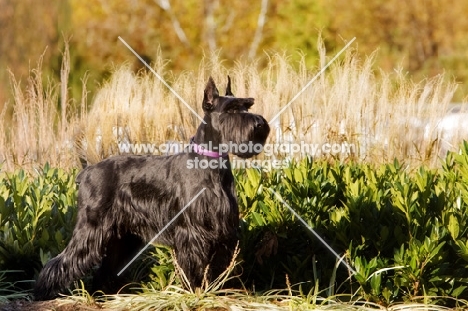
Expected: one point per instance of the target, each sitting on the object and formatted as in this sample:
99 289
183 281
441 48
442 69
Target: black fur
124 201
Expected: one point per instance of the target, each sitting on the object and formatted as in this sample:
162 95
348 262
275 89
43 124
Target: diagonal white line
312 80
162 80
313 231
162 230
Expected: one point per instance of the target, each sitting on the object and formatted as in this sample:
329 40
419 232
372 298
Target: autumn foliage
423 37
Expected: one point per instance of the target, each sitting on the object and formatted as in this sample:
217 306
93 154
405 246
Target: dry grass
215 296
384 116
37 131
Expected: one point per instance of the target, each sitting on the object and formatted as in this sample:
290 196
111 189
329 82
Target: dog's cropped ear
211 94
248 102
228 87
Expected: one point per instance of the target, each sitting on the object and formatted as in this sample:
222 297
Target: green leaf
298 176
45 236
258 219
458 291
384 232
453 226
58 237
375 283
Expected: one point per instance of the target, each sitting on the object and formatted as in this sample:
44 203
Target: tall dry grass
35 128
385 116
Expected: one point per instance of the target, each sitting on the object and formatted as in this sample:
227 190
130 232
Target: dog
126 200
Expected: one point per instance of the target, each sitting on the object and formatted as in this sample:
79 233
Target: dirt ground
53 305
57 305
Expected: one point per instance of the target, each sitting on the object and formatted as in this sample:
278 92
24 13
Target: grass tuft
215 296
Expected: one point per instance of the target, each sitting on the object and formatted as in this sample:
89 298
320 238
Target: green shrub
405 233
37 215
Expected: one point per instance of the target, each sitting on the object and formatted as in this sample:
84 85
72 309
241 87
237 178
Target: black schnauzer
124 201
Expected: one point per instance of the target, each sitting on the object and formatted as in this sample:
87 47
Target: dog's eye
236 110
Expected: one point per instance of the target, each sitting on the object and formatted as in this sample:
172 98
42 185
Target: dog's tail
81 254
51 280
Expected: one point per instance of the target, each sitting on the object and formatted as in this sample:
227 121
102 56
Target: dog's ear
211 94
248 102
228 87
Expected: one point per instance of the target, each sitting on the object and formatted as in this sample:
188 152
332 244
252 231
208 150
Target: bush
404 232
37 214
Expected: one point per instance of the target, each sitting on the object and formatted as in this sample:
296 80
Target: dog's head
231 123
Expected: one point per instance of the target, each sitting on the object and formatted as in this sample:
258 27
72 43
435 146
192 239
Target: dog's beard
244 134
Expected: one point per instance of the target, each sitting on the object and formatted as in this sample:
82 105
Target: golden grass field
385 116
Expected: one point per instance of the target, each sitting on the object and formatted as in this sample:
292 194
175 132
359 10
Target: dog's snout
259 122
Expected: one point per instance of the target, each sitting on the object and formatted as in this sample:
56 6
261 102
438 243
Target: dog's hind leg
119 252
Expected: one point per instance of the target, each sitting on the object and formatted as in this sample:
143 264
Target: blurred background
421 37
